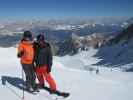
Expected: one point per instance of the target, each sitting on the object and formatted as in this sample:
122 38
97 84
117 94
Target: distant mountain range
68 24
58 30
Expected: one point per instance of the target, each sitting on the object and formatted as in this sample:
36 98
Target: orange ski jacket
27 51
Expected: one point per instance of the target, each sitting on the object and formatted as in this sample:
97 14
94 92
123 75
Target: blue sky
27 9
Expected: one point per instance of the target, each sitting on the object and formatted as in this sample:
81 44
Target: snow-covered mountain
111 52
76 43
57 30
118 52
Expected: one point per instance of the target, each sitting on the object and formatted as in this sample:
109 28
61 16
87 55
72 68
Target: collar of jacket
25 42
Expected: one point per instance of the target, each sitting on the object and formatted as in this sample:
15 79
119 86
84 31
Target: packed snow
81 61
83 85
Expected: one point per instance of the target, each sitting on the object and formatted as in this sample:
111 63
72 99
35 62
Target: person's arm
20 51
35 53
50 59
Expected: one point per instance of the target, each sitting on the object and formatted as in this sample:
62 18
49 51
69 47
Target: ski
57 95
32 92
57 92
51 96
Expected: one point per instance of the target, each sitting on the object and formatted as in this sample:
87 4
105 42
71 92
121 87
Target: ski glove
20 54
48 70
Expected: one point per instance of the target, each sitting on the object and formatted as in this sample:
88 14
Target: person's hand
48 70
20 54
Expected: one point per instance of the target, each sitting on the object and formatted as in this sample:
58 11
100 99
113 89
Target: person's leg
50 80
26 70
40 76
32 77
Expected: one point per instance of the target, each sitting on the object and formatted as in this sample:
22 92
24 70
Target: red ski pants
42 75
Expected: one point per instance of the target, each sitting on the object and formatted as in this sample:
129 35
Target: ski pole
23 97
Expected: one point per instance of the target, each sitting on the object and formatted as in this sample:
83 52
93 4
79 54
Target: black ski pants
30 75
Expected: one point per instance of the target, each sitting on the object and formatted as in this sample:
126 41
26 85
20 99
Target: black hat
40 37
28 35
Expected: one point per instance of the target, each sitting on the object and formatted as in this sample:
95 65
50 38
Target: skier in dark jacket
43 61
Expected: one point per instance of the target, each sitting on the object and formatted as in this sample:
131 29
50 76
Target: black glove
19 55
48 69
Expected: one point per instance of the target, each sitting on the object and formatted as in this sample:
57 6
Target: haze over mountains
58 30
66 24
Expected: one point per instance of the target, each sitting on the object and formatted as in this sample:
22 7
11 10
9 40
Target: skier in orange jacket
26 55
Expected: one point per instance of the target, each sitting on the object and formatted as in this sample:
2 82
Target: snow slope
108 85
81 60
117 55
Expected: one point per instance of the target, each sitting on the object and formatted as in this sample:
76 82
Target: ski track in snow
83 85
